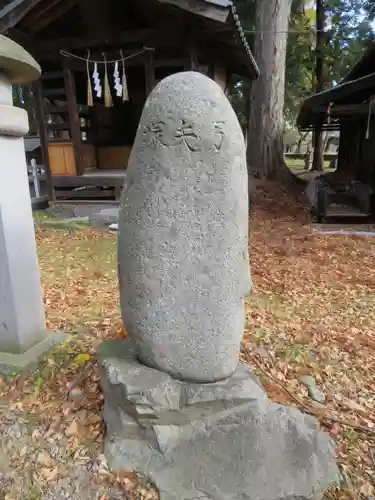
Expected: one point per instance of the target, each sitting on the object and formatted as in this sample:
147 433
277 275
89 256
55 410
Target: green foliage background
349 32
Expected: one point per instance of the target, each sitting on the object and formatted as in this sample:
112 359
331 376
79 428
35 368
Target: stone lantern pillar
23 335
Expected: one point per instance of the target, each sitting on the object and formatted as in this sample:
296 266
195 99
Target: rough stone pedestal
23 336
217 441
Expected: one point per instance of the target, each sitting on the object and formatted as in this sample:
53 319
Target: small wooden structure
349 107
88 143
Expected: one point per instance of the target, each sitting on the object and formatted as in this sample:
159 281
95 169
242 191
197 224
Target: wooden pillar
40 118
74 121
193 57
318 163
191 52
149 71
247 110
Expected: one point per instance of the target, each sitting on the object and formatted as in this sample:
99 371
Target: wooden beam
54 92
88 180
96 20
190 44
142 37
211 68
75 125
193 63
149 72
40 118
347 109
50 109
171 62
35 16
12 13
85 194
61 109
58 126
58 12
52 75
138 61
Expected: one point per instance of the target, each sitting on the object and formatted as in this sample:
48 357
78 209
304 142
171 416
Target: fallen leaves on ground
311 314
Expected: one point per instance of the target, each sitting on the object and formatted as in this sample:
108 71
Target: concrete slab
63 222
106 215
15 363
364 234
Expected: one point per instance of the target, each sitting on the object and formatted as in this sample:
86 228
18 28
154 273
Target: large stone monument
178 406
183 245
23 336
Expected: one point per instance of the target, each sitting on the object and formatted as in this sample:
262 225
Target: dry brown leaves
312 313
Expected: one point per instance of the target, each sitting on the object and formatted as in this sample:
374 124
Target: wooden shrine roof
348 99
33 21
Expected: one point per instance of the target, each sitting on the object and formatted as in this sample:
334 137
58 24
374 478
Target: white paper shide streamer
103 89
97 85
117 82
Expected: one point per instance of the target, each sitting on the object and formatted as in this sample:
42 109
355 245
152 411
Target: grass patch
300 164
42 215
79 273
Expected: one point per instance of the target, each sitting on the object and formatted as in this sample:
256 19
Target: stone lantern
23 335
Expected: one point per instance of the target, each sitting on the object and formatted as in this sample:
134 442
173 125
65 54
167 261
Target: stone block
215 441
106 216
28 360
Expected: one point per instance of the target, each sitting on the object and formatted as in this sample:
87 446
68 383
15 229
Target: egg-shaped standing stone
183 232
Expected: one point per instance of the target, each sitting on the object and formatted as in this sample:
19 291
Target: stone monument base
219 441
16 363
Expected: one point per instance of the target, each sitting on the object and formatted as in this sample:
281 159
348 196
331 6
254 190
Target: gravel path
35 465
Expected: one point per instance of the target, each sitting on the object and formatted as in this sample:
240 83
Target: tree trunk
318 162
265 151
302 138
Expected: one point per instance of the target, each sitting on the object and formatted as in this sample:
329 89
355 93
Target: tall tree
300 60
265 152
348 32
318 162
